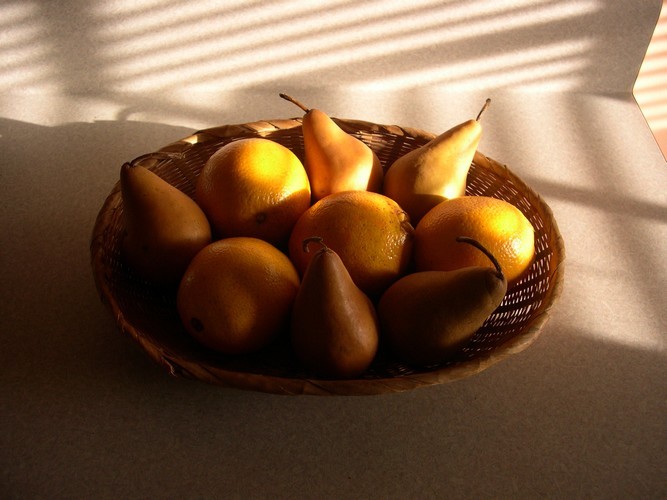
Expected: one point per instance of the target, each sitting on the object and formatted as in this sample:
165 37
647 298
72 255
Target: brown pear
164 227
436 171
429 316
335 160
334 326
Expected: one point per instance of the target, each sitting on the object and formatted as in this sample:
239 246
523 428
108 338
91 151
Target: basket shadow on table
73 348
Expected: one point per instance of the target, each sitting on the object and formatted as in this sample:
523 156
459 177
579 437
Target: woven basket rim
179 366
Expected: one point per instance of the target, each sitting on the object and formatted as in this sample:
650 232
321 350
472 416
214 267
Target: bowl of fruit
326 256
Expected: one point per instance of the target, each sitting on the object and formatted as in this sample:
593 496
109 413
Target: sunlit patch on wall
206 46
554 66
650 89
24 54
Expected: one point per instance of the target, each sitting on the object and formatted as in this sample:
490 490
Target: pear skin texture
334 326
164 227
335 160
437 171
428 317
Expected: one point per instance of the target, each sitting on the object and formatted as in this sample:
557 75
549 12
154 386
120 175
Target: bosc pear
335 160
427 317
436 171
334 327
164 227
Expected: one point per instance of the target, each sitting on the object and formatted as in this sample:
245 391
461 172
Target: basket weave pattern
148 313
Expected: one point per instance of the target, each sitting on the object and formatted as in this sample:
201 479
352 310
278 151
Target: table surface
86 414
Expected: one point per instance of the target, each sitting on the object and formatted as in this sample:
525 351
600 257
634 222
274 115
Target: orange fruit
253 187
237 294
371 234
498 225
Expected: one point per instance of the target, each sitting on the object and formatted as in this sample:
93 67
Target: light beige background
85 86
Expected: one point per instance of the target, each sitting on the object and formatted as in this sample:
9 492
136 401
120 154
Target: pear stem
479 246
294 101
310 239
486 105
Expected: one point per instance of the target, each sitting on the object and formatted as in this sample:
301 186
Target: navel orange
370 232
253 187
498 225
237 294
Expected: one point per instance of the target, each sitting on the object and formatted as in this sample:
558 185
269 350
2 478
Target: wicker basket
148 313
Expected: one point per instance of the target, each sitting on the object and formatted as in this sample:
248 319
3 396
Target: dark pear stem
310 239
479 246
486 105
294 101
